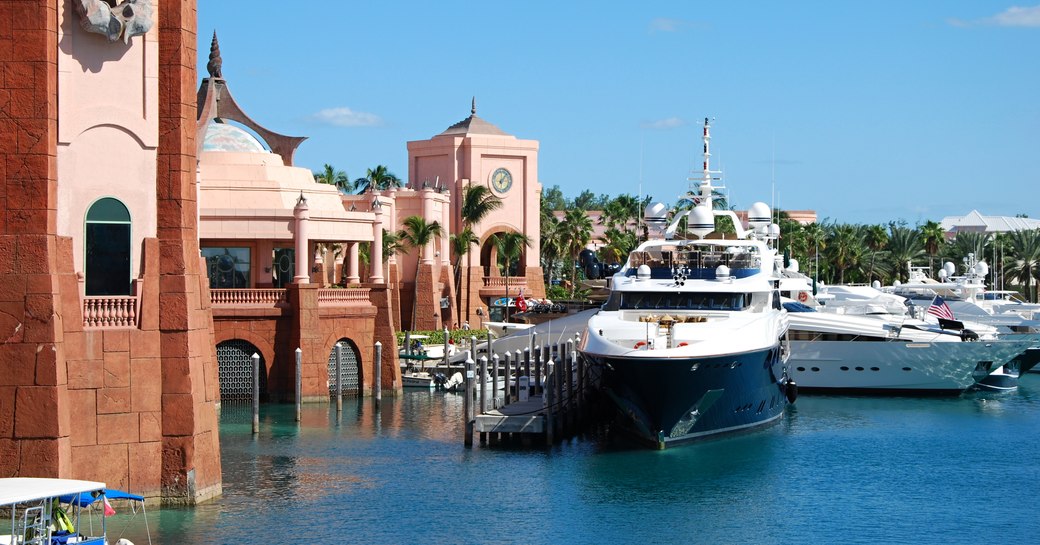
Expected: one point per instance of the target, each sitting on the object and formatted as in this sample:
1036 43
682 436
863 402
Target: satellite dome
981 268
656 213
950 268
759 215
702 221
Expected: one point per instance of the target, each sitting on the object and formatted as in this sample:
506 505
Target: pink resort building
153 238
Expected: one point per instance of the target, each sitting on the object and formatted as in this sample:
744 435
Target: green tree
934 240
552 244
876 238
377 178
331 176
904 246
552 197
577 231
417 233
510 246
1025 265
477 202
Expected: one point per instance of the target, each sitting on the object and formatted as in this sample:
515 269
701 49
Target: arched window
107 263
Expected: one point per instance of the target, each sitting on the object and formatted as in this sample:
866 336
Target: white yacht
691 338
863 344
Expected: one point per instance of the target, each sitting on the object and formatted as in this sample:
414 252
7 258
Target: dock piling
467 402
299 384
256 393
339 374
378 375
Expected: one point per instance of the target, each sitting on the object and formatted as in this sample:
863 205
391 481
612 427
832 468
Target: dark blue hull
676 400
1007 378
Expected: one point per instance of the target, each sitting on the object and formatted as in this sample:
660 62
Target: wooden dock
546 402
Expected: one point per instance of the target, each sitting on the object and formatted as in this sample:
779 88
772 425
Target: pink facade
474 151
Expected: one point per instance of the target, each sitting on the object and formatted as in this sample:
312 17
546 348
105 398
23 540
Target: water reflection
835 468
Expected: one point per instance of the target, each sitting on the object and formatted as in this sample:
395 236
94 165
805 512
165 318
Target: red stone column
191 448
34 406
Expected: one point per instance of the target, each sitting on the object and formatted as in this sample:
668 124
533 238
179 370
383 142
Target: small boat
418 379
501 329
58 511
690 342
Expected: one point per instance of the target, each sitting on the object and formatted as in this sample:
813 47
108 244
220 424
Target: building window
107 257
228 267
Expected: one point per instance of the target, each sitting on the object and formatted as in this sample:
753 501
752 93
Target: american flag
940 309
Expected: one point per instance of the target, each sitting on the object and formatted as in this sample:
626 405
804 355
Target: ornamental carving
115 19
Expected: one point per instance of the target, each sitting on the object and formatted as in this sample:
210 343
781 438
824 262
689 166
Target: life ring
640 344
803 297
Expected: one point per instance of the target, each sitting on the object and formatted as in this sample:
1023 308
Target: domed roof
225 137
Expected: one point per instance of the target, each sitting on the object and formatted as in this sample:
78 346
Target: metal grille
235 370
348 370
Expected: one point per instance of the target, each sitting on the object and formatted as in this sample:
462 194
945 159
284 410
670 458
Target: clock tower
476 152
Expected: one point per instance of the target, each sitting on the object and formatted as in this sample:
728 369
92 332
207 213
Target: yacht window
682 301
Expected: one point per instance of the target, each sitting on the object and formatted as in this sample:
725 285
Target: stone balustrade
500 282
343 296
110 311
266 297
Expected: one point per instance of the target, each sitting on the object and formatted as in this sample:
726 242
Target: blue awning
84 499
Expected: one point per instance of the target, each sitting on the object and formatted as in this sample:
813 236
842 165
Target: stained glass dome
225 137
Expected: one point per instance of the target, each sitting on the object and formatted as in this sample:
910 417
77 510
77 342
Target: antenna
639 202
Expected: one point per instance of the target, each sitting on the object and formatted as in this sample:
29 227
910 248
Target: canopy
22 489
85 499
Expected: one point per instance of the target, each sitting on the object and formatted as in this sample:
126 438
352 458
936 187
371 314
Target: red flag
521 304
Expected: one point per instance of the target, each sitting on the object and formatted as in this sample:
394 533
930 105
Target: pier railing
110 311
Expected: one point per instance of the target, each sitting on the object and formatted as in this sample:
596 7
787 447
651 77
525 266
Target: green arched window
107 266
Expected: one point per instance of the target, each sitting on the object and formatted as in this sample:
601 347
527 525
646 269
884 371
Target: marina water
835 469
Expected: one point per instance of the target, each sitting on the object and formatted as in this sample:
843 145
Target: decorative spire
213 66
473 106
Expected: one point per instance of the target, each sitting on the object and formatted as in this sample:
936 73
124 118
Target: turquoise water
836 469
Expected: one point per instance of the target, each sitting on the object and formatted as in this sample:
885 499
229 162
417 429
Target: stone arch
489 253
263 344
235 371
350 371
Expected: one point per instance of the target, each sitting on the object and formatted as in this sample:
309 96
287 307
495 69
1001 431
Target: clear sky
863 111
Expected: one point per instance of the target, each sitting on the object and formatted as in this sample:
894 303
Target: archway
350 375
235 371
107 256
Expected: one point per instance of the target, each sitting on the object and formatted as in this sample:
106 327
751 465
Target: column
301 213
377 243
352 263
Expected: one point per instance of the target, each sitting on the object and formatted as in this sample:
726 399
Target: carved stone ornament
124 20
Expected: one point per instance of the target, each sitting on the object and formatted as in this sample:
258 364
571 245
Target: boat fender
803 297
792 391
969 335
640 344
684 343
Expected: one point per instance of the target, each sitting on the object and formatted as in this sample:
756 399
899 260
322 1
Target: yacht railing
110 311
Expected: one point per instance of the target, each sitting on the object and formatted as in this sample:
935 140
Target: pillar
301 214
377 243
352 263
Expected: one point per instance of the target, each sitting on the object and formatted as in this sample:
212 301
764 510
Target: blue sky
863 111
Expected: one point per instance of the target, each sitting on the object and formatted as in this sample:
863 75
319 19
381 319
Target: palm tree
934 239
876 239
844 249
815 241
331 176
904 245
377 178
510 245
1025 266
477 202
391 246
552 244
577 230
417 234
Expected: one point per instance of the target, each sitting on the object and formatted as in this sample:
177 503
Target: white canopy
22 489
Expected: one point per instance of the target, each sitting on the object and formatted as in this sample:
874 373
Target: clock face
501 180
